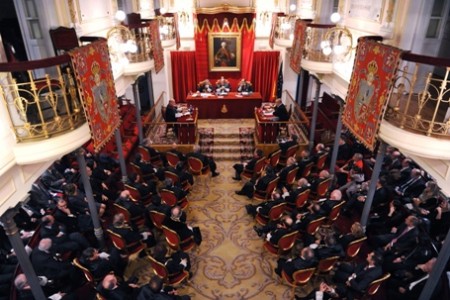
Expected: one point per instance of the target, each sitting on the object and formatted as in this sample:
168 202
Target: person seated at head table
223 86
245 86
205 86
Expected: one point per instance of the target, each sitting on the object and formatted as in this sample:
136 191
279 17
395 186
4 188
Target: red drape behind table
184 74
265 72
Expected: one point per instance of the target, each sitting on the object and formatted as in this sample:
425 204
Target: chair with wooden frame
374 286
169 198
174 241
274 159
307 169
137 221
265 195
299 278
326 264
275 213
87 274
320 163
197 168
291 151
136 195
290 177
185 185
154 160
284 245
161 271
136 169
257 170
172 159
353 248
157 218
121 245
302 198
322 189
63 39
334 213
314 225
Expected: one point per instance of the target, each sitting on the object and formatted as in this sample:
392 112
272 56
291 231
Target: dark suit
171 112
364 276
296 264
45 265
250 166
283 174
179 227
281 112
285 146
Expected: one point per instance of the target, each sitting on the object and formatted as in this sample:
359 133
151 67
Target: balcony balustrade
419 102
41 107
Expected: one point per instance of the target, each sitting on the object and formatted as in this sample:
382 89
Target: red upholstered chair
87 274
334 213
353 248
137 221
314 225
169 198
157 218
321 160
307 169
285 244
299 278
291 151
326 264
290 177
172 159
264 195
322 189
197 168
174 241
63 39
275 213
175 179
121 245
161 271
274 159
374 286
256 172
302 198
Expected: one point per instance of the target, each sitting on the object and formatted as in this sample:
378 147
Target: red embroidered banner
96 86
373 71
157 49
298 45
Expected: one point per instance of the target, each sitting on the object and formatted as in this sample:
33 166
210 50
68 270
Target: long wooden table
232 105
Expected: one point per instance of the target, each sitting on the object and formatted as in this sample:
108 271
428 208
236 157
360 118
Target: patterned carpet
230 263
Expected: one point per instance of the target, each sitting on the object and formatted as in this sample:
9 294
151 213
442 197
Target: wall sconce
338 41
264 17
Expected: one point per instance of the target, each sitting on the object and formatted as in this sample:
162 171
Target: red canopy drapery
184 73
265 73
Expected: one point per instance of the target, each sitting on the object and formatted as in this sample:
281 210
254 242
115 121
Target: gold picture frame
224 51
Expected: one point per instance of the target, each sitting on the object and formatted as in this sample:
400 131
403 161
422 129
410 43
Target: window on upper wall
436 19
335 5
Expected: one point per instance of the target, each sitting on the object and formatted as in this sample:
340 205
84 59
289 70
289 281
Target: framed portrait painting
224 51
